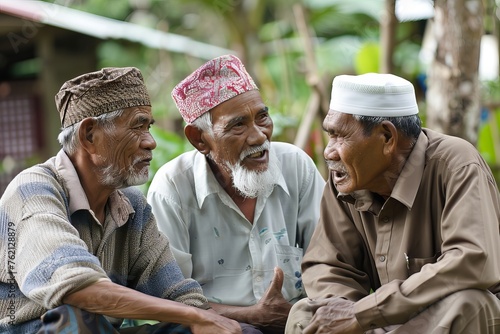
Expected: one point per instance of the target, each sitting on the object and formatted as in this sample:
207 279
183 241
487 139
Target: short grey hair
204 123
68 137
410 126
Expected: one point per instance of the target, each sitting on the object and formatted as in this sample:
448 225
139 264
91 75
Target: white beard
252 184
112 176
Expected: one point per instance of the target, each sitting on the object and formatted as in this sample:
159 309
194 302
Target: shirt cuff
368 314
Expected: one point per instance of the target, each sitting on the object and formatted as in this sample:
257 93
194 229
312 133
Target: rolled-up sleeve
51 259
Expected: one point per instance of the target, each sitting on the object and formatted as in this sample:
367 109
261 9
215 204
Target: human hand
272 309
213 323
333 315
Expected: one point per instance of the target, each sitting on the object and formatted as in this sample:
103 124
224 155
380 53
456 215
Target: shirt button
382 258
258 278
385 219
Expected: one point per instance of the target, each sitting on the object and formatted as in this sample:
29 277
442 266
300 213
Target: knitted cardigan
51 246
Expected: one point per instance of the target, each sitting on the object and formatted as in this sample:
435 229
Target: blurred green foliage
169 146
345 36
489 131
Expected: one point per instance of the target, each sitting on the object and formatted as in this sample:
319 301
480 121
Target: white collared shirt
216 245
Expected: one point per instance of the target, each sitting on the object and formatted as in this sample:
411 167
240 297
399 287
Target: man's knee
249 329
476 297
299 317
480 309
68 319
467 311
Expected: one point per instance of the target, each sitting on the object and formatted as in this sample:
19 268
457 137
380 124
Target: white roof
106 28
414 10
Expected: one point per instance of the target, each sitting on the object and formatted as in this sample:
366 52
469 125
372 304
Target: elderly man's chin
255 183
137 180
132 178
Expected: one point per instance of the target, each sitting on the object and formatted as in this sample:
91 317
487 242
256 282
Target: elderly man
408 240
238 210
75 245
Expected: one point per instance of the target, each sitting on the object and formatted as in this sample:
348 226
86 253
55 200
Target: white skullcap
373 94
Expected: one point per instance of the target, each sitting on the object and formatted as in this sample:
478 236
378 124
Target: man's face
356 160
241 126
127 149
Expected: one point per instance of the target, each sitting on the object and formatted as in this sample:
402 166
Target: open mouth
339 176
256 161
256 155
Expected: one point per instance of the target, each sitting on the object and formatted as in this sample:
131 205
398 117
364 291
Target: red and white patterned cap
216 81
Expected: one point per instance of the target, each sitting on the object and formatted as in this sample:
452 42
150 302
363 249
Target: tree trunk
388 25
453 96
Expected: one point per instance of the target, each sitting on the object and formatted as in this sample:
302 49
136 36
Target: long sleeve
469 253
54 246
337 262
50 259
438 233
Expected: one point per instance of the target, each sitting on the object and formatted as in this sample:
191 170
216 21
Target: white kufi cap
373 94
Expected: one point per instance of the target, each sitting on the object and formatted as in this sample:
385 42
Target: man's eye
264 116
237 125
142 127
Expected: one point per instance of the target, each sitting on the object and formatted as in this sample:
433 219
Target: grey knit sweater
52 244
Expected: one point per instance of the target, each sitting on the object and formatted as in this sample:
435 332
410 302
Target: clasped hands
333 315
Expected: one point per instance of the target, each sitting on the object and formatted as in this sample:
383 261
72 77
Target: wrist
205 306
253 315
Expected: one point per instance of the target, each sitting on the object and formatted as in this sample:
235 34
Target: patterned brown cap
100 92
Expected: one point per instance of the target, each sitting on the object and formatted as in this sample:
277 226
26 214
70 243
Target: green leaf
367 58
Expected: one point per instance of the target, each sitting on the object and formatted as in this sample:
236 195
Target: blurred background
293 49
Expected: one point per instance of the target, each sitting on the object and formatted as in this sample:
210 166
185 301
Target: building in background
41 46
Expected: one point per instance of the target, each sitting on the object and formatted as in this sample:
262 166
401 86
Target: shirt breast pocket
289 260
414 265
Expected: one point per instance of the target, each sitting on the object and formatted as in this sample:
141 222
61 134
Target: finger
311 328
275 285
315 304
278 278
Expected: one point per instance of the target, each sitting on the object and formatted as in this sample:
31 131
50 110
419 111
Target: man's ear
87 133
390 136
195 137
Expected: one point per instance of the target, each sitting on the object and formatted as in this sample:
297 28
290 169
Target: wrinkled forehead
246 103
334 117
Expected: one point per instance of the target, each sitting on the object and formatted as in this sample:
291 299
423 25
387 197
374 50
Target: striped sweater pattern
49 251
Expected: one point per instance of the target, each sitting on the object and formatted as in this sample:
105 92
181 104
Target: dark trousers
67 319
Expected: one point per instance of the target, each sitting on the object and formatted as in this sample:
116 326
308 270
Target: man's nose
330 152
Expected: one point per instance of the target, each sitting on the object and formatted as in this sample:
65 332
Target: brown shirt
438 233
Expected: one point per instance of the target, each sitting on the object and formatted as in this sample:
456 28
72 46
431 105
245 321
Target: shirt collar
406 187
118 202
206 184
77 197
